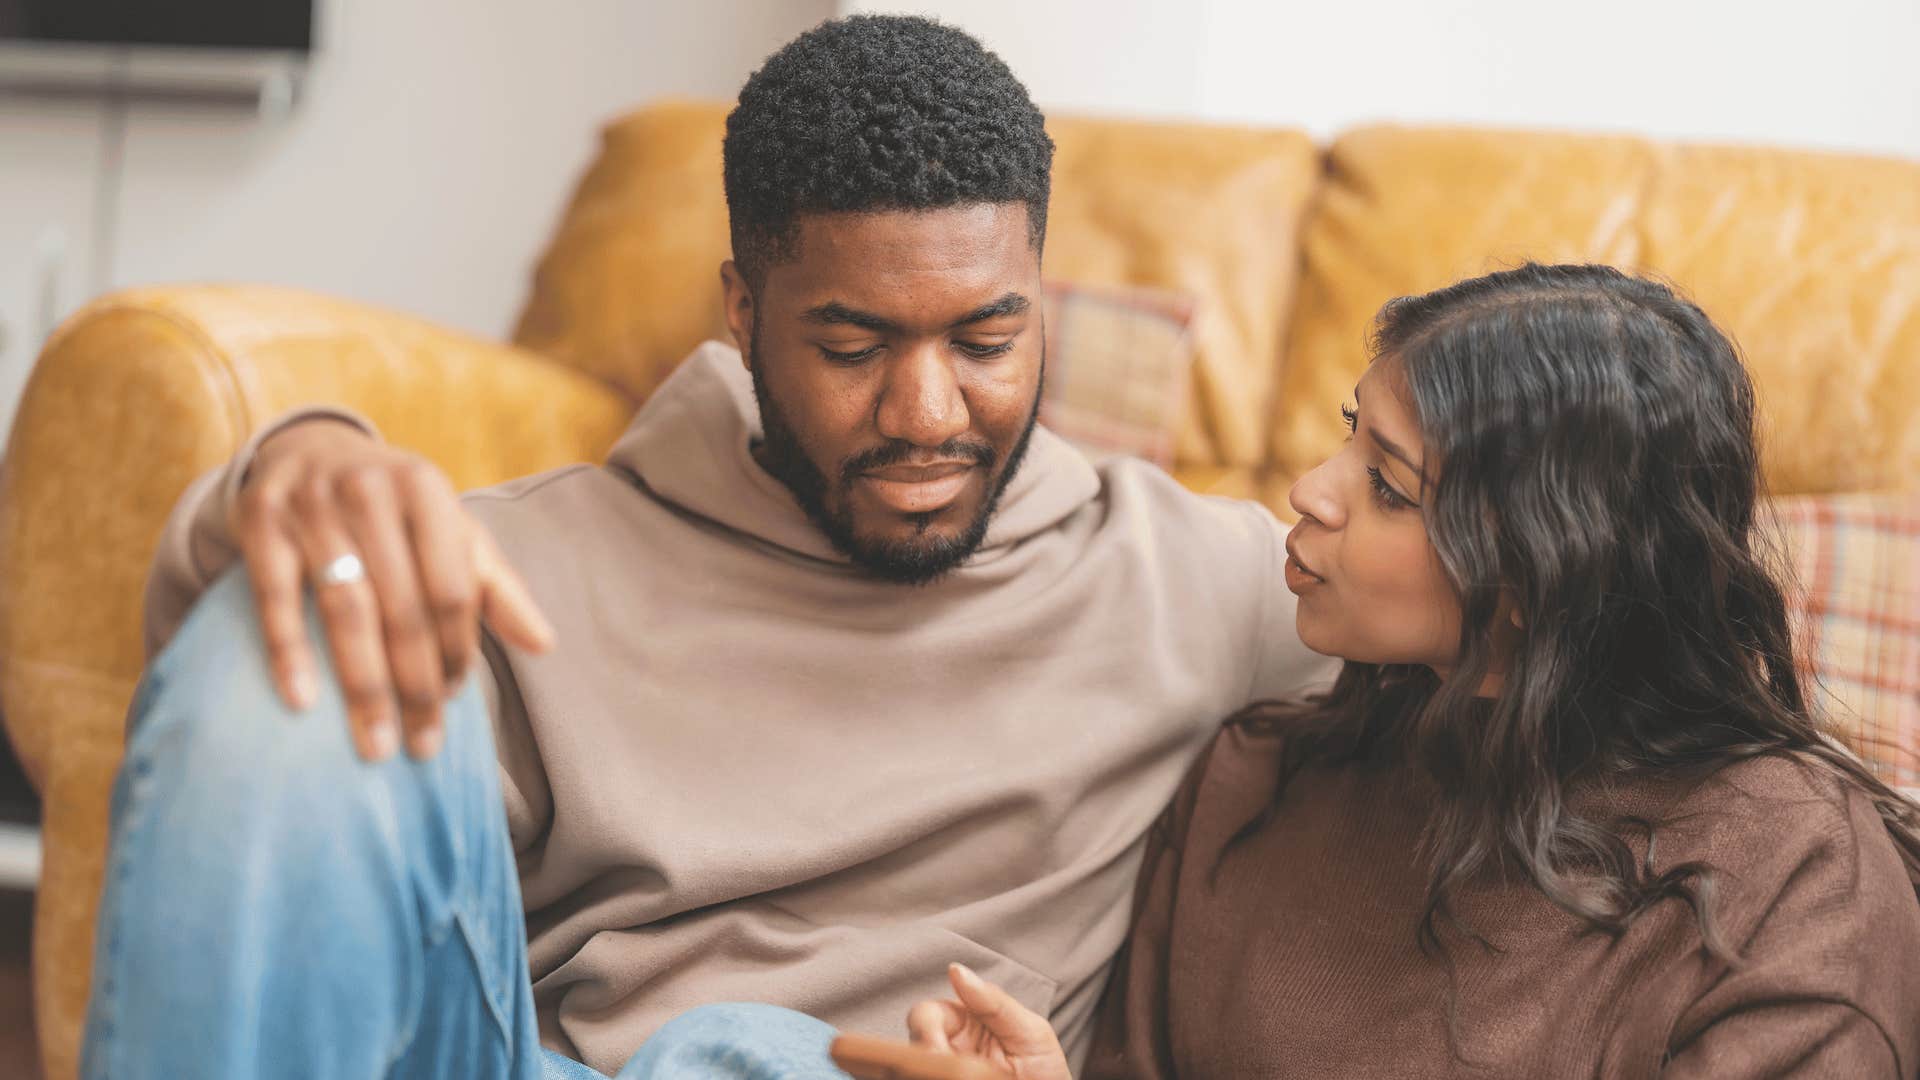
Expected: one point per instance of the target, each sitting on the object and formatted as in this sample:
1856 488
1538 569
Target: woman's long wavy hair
1599 477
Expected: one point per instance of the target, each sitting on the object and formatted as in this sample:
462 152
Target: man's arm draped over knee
198 545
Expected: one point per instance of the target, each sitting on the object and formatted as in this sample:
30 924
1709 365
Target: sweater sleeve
1830 973
1131 1038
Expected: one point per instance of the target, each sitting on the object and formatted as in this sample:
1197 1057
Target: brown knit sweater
1299 958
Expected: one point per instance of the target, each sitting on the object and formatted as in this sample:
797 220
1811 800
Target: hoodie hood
691 445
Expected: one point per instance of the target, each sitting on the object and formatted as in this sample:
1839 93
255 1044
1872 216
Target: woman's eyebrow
1388 446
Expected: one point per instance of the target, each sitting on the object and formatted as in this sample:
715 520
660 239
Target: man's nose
921 402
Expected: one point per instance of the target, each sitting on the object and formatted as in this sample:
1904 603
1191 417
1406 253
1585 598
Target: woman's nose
1315 496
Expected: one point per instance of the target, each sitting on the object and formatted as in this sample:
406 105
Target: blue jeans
275 907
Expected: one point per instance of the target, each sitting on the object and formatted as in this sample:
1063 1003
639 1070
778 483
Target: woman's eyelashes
1388 498
1383 493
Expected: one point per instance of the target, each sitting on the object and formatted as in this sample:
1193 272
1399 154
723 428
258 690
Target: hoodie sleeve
523 774
1284 668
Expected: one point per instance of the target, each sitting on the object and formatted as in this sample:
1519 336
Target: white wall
1843 74
48 154
1126 57
437 139
423 169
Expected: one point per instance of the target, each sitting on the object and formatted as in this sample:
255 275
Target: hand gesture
983 1020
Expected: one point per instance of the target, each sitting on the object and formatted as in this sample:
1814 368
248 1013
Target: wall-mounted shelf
268 80
19 855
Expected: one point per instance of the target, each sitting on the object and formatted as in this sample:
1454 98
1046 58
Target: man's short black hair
878 112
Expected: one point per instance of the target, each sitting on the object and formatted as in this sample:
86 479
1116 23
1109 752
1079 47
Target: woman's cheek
1402 600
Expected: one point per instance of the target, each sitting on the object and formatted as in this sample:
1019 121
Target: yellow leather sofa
1812 260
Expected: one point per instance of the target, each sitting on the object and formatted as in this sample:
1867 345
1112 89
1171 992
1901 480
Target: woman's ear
1511 602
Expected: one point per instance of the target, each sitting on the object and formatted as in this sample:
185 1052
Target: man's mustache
900 452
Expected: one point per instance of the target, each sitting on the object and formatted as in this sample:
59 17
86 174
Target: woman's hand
982 1020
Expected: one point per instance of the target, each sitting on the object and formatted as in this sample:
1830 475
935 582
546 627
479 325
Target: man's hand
407 627
982 1020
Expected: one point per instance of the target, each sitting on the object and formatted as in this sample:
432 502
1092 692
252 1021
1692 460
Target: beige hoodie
752 773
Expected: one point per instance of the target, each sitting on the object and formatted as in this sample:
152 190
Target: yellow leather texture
1811 261
630 284
132 398
1405 210
1213 212
631 281
1233 482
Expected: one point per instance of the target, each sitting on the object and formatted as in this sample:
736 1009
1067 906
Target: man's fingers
505 603
444 554
274 571
351 615
410 624
352 618
371 513
931 1024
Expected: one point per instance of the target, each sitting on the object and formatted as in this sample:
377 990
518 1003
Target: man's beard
906 562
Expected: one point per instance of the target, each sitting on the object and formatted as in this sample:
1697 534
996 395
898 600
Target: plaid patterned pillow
1118 361
1857 557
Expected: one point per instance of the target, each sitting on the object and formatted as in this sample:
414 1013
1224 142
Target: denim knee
740 1040
208 709
274 898
209 699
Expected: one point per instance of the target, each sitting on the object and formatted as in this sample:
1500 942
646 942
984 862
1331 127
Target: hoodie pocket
1028 987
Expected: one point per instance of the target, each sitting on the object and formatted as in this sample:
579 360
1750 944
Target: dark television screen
237 24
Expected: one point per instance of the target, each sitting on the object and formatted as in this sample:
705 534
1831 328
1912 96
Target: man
839 670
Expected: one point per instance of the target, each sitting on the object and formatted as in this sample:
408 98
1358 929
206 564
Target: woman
1566 810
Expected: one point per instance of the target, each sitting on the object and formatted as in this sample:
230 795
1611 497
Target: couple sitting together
843 696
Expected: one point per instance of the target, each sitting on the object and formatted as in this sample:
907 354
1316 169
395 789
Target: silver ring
344 570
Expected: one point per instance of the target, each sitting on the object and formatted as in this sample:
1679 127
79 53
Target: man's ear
738 301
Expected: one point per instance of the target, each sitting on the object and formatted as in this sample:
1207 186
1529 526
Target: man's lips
918 489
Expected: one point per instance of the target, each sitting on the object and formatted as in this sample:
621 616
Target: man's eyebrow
1389 447
833 312
1012 303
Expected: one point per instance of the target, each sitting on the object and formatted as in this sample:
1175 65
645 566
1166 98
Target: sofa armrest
132 398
